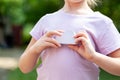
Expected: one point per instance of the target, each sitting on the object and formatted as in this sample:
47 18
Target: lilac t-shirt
65 64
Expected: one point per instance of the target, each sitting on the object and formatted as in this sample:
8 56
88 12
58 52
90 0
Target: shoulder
103 18
50 15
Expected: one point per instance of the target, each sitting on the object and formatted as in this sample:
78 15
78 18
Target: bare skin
30 56
110 63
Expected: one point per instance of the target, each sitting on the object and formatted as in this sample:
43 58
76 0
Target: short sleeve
38 29
110 40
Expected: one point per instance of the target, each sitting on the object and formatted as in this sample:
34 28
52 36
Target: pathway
8 60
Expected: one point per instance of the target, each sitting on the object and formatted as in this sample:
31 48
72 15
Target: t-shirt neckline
77 15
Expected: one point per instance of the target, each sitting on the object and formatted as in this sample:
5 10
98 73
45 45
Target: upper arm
115 54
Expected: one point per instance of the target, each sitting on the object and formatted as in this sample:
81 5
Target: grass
106 76
18 75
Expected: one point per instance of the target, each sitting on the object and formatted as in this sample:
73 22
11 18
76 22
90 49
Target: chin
75 1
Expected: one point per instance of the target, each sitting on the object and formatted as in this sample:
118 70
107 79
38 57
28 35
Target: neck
77 8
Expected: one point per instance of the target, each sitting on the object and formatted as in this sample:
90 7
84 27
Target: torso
64 63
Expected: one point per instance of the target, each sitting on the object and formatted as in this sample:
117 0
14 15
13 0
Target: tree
12 9
111 9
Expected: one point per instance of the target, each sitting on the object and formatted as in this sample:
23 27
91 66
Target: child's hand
85 49
47 41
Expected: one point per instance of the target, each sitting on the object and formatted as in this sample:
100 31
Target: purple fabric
64 63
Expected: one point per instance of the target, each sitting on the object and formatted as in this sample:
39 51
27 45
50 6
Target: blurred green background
18 17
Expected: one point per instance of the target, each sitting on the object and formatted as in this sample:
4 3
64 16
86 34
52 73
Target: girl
98 47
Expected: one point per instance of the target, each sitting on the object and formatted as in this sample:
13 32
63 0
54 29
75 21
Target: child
99 44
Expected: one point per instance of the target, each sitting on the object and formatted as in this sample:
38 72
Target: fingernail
59 45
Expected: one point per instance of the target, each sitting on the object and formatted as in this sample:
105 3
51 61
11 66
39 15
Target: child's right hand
47 41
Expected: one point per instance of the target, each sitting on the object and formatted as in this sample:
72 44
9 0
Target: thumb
51 33
73 47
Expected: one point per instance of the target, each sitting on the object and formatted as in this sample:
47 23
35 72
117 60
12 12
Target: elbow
23 69
117 73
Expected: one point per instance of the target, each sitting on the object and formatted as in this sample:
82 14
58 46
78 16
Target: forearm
109 64
29 59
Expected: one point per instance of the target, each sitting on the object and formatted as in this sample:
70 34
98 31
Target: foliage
26 29
18 75
13 10
111 9
106 76
37 8
29 11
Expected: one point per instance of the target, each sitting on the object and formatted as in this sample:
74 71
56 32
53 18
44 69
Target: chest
65 24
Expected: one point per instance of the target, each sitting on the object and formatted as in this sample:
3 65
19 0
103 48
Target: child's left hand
85 49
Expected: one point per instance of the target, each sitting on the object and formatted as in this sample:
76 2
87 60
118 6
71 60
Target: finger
53 41
61 31
51 45
71 46
82 40
81 34
55 32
